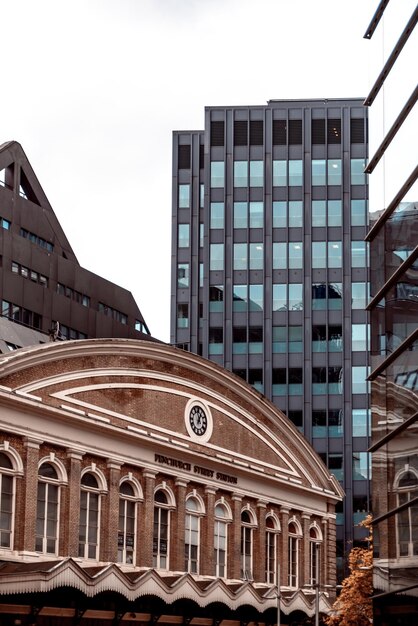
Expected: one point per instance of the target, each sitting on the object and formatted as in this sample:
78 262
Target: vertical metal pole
278 594
317 584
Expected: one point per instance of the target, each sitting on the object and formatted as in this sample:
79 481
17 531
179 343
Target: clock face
198 420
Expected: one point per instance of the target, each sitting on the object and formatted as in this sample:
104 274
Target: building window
182 315
319 254
88 546
216 298
361 466
216 345
334 172
358 177
335 258
240 173
47 510
279 255
217 174
256 214
359 213
294 536
216 215
272 529
406 486
295 213
295 173
247 525
127 523
161 533
183 275
318 172
295 255
336 466
256 173
8 467
326 296
279 215
240 215
279 173
221 540
359 374
201 196
358 254
184 236
361 422
192 535
360 337
256 256
240 298
256 297
39 241
314 556
201 234
295 297
184 196
5 224
334 213
240 256
279 297
216 256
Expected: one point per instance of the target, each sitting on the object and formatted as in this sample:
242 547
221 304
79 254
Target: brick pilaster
259 553
234 561
144 549
177 529
72 517
109 550
207 545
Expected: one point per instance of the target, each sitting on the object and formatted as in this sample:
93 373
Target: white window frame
221 523
161 560
96 492
293 554
410 491
16 470
192 517
247 541
315 543
124 501
50 484
271 546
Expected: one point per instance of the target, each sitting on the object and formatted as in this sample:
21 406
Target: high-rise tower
270 274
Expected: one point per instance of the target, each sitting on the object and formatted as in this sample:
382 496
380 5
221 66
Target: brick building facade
142 483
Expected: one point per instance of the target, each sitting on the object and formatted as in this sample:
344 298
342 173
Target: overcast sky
92 89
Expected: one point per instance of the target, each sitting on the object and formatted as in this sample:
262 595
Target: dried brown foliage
353 606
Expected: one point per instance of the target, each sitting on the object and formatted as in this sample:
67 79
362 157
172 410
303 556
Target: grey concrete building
270 274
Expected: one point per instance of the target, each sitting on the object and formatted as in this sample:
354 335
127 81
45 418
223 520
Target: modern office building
143 485
393 238
270 274
44 291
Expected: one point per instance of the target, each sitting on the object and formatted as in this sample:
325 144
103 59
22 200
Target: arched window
221 539
315 539
7 499
161 535
88 547
127 523
47 509
293 553
247 525
272 529
407 527
192 531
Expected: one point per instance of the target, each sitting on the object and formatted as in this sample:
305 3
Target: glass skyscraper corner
393 240
270 269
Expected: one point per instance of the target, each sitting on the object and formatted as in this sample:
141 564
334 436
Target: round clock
198 420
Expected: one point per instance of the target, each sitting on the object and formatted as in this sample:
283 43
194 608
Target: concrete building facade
270 279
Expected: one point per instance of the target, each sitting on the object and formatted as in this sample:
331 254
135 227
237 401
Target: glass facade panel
183 275
358 254
334 213
319 213
184 236
295 213
184 196
295 173
279 173
334 172
318 172
217 215
216 256
358 177
295 255
358 296
279 215
319 254
335 258
256 256
256 297
240 256
256 173
295 297
359 212
240 215
359 374
240 298
279 256
279 297
240 173
217 174
256 214
361 422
